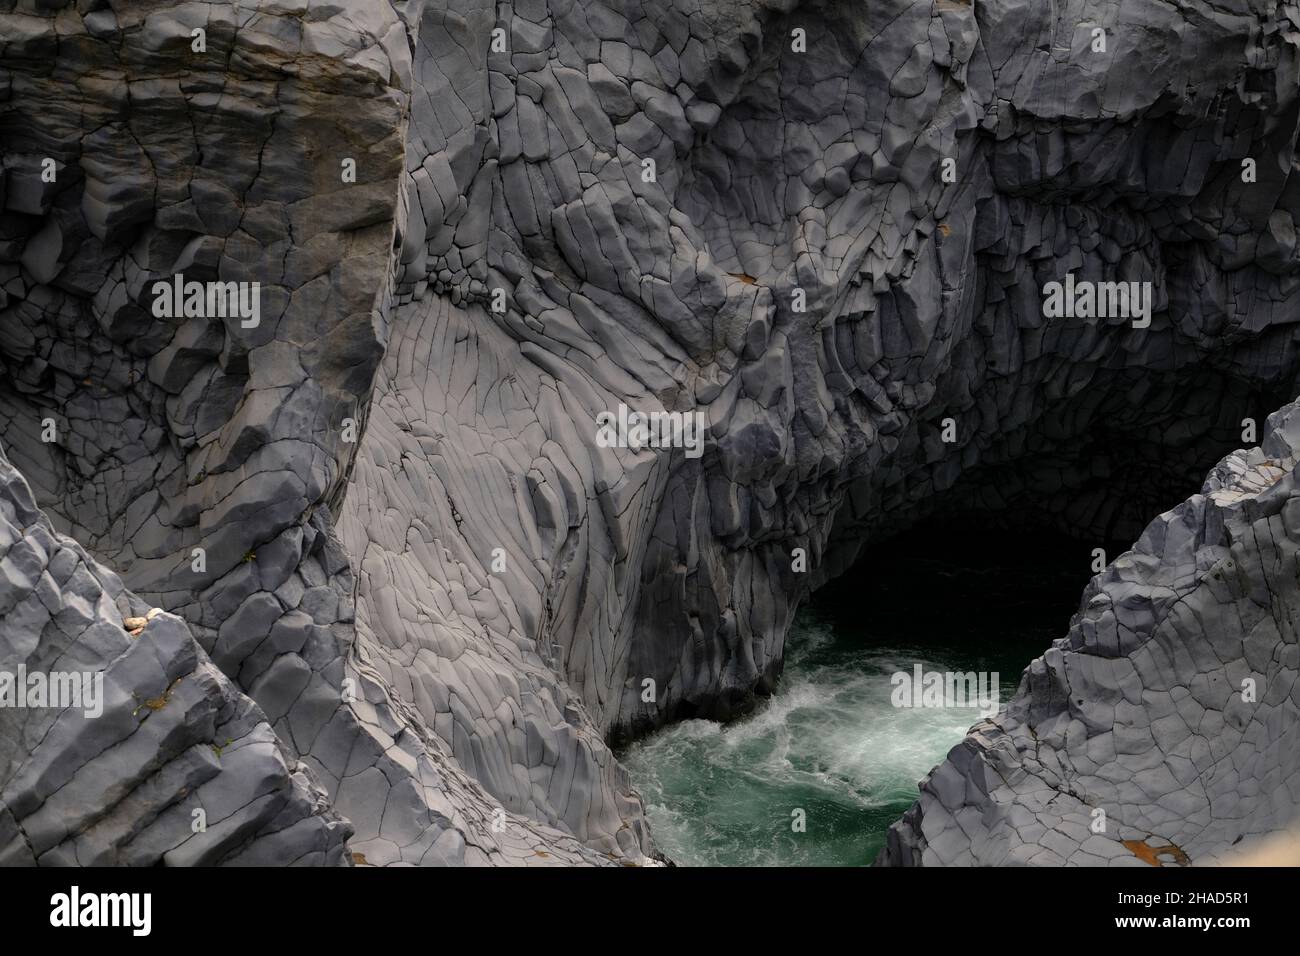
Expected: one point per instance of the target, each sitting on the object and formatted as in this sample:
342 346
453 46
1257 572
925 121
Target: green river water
829 741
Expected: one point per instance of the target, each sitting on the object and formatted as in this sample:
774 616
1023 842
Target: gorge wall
826 226
1162 729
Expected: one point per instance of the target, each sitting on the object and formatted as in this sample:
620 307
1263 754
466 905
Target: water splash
828 742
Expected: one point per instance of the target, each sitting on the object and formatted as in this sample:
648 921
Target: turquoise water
829 741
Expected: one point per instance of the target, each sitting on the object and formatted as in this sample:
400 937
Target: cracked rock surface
1163 728
174 737
442 593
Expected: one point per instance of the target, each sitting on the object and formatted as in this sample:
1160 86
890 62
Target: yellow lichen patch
743 277
945 230
1151 854
359 859
158 703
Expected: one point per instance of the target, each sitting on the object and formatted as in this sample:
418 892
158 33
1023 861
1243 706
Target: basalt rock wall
1163 728
825 226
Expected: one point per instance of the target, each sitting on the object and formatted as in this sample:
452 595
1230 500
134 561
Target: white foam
829 735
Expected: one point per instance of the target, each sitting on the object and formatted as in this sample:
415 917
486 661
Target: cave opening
956 589
818 771
956 582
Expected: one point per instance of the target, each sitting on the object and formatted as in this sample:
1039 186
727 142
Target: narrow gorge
366 589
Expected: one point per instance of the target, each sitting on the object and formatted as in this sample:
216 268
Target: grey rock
358 466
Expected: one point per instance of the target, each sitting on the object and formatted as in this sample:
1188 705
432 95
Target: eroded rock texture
417 561
1170 709
169 736
199 433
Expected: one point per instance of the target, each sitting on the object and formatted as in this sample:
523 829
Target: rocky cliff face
475 227
163 761
206 459
1163 728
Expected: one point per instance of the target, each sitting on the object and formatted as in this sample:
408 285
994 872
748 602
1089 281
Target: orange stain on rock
1151 854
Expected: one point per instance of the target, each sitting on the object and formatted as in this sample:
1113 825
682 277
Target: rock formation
379 504
1162 730
169 742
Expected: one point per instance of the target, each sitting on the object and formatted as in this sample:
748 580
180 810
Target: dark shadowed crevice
944 596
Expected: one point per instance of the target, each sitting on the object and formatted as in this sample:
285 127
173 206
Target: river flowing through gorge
830 741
